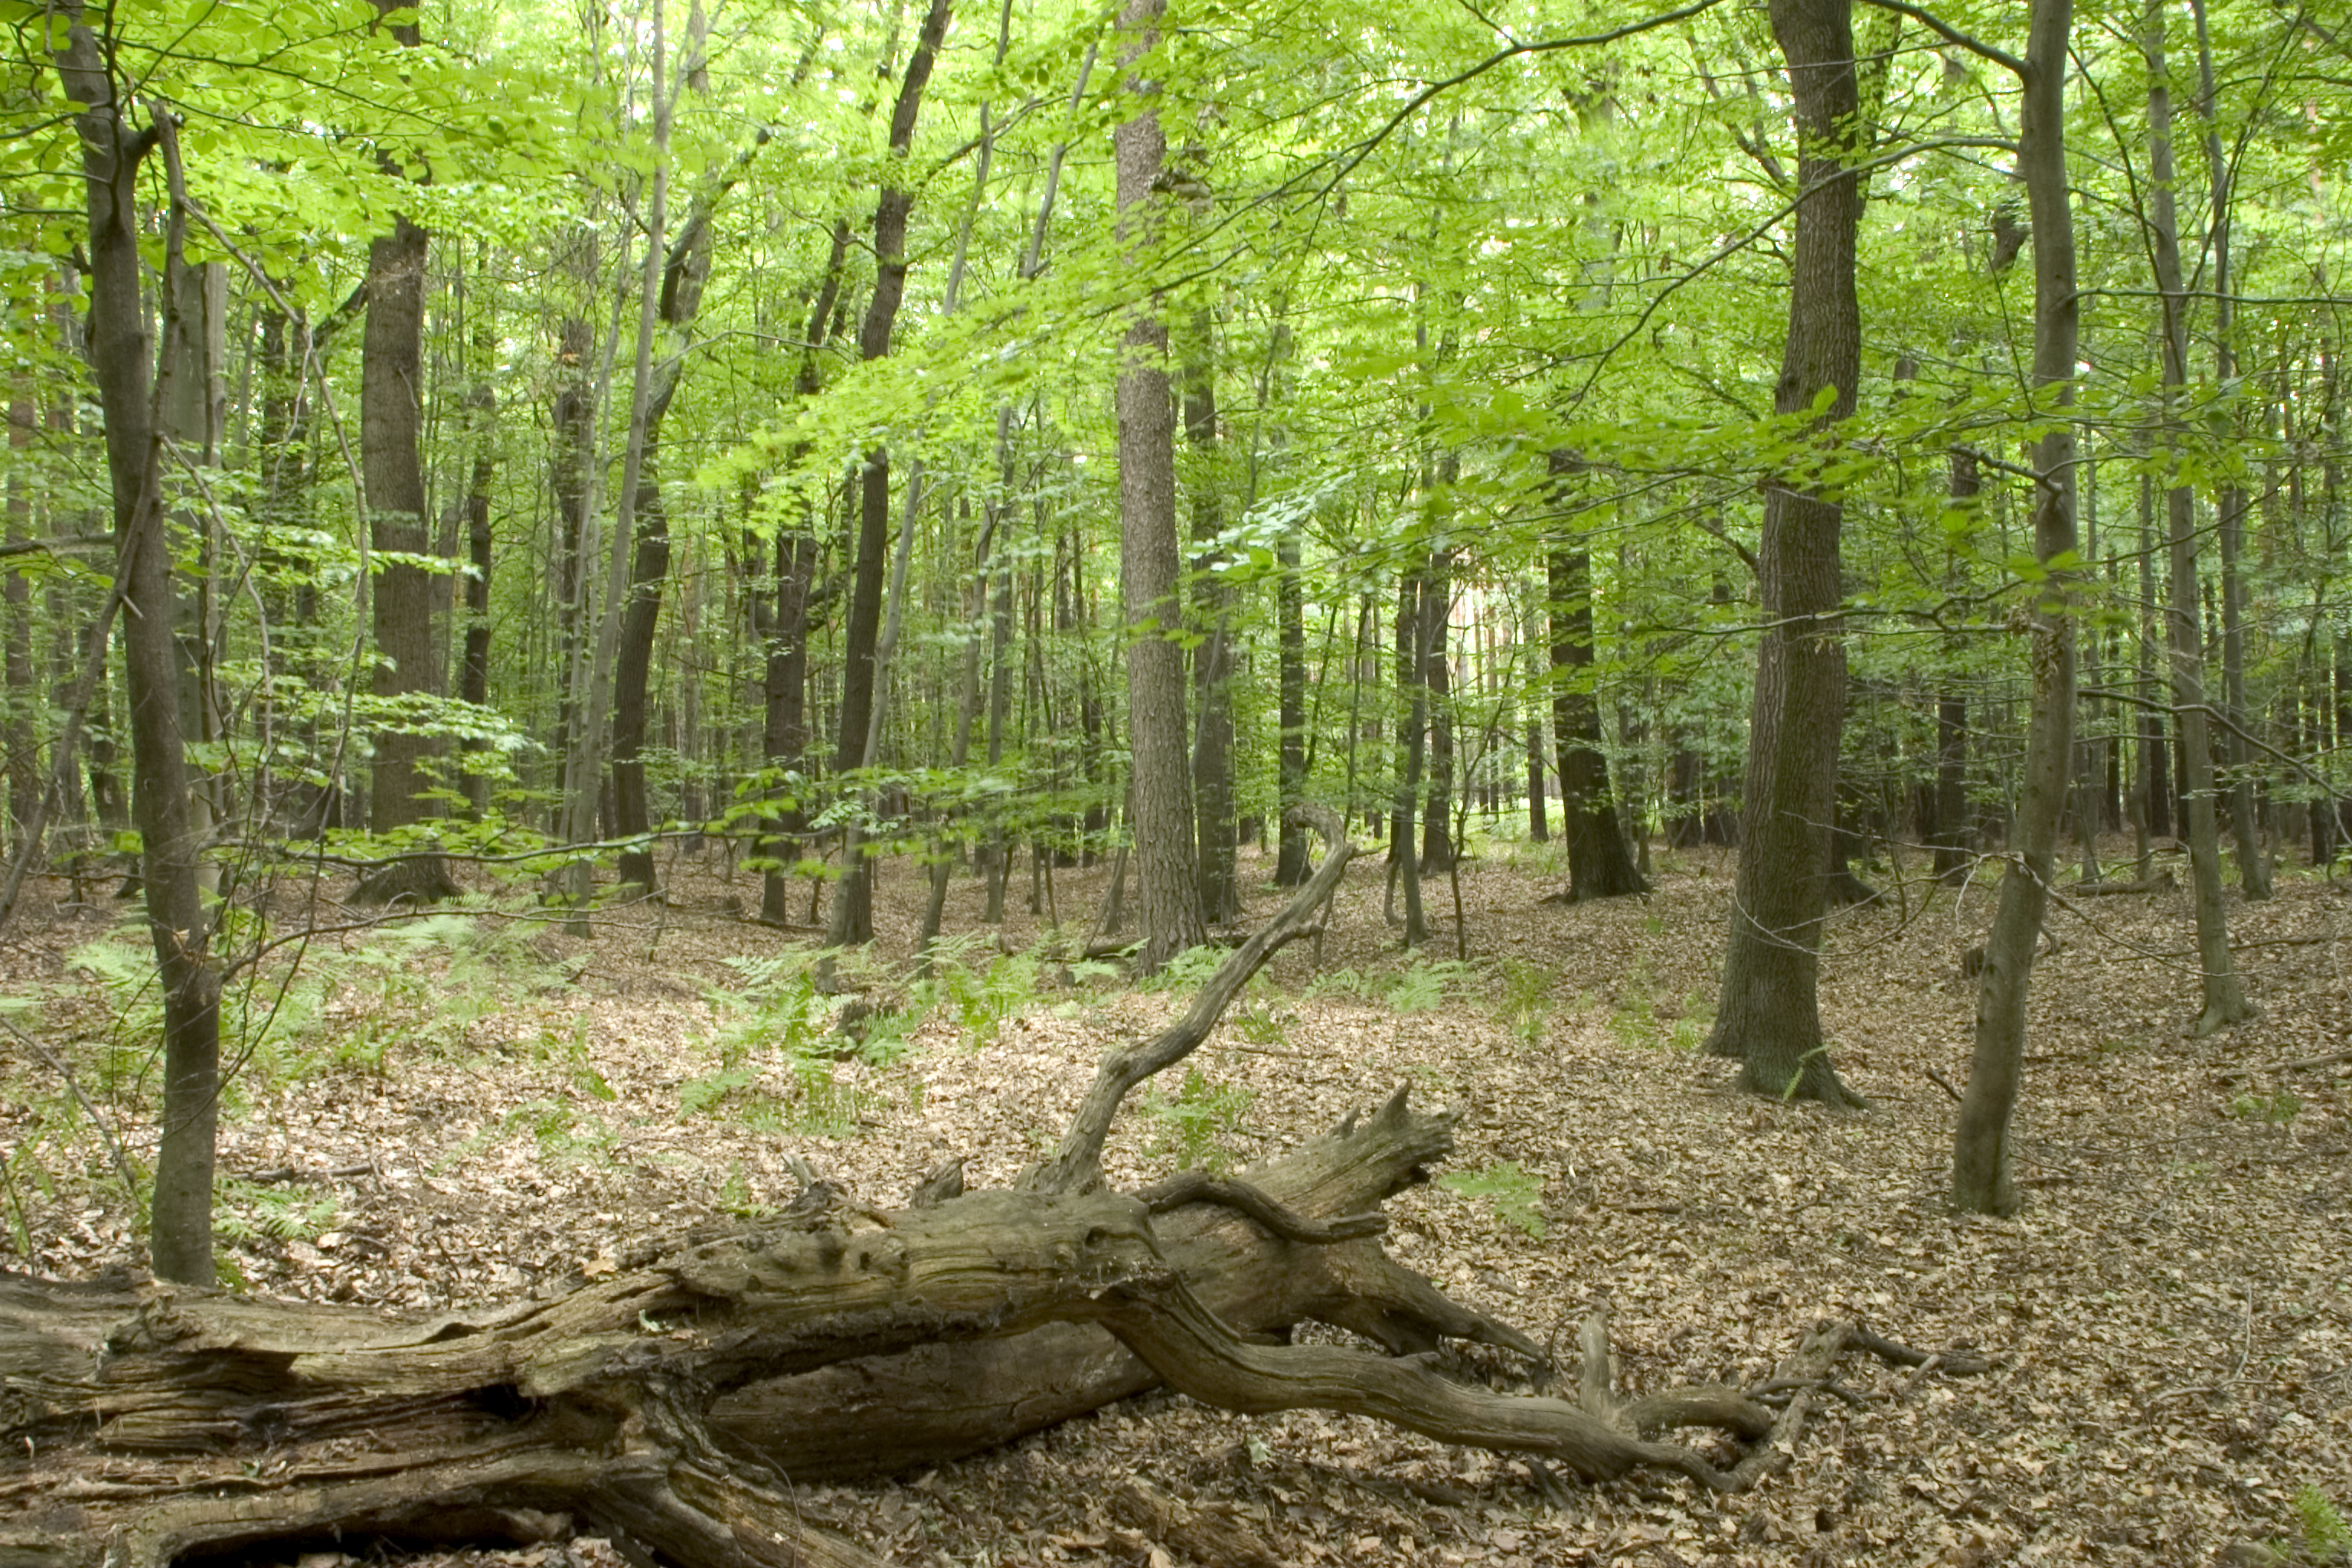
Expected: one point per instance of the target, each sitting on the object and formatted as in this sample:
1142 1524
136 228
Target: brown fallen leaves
2172 1313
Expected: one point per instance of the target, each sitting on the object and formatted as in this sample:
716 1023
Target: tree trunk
1148 562
474 666
1768 1014
1982 1181
390 385
1212 615
1598 866
24 769
685 270
1413 725
171 850
785 731
1290 615
2224 999
861 637
2230 501
1436 688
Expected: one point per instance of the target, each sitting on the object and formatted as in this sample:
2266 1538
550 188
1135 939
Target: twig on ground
106 1133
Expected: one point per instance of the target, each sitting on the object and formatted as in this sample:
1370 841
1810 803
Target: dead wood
674 1404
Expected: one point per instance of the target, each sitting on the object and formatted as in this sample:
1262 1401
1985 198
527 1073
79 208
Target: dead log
138 1423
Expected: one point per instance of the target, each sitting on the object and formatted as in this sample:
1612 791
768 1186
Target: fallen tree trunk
674 1404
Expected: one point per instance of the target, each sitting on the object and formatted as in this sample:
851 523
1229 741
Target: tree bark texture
783 730
1768 1014
1149 560
1290 614
1981 1180
171 849
392 468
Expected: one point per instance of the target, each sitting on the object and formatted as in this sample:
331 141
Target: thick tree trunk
401 594
1981 1180
1148 562
1768 1014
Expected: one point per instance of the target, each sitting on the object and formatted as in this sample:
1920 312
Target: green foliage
1262 1023
252 1211
2276 1110
1190 1123
420 983
1516 1194
1344 982
1636 1021
780 1024
980 987
2322 1534
1188 971
1423 986
1525 1002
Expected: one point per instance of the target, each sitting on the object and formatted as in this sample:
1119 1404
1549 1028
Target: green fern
1516 1193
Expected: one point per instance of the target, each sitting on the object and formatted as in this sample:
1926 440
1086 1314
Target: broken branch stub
1077 1164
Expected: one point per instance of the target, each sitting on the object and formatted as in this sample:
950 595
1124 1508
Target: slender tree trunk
1768 1014
1412 723
1149 561
1951 837
2224 999
178 923
1212 615
24 761
1437 690
474 666
1982 1181
784 729
685 270
860 693
2230 502
1290 614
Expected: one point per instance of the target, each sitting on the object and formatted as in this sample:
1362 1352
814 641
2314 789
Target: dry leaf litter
2171 1315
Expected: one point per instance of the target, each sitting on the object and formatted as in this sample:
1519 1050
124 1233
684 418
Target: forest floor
463 1109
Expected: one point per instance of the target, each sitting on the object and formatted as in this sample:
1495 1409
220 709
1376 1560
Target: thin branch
1953 36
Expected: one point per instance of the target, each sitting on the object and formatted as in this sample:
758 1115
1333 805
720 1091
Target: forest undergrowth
466 1108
